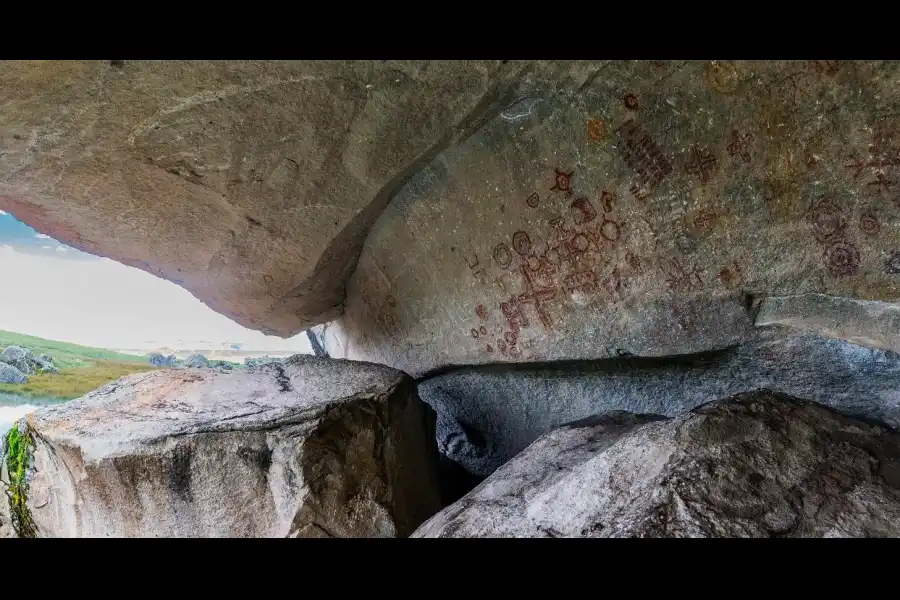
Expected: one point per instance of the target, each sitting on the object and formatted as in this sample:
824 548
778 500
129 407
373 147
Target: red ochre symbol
607 199
478 332
563 181
631 101
503 256
481 311
869 224
609 230
583 211
596 129
533 200
521 243
702 163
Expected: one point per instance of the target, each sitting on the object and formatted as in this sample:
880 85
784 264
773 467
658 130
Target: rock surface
511 210
309 448
632 214
759 465
25 361
6 529
864 322
158 360
196 361
488 414
250 183
257 361
10 374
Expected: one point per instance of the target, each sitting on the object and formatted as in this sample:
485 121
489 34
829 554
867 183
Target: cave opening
71 322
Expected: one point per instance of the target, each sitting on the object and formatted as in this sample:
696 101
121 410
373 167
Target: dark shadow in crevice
618 364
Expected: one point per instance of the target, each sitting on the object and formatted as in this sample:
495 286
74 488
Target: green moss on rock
19 447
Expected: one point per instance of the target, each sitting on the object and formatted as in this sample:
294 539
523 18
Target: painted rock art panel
594 226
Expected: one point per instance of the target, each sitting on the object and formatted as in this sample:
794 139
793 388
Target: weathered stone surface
488 414
250 183
158 360
25 361
864 322
6 529
309 448
10 374
631 214
758 465
257 361
196 361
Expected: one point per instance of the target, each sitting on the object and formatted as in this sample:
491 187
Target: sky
54 291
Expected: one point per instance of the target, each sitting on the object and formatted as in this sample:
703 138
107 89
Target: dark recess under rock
488 414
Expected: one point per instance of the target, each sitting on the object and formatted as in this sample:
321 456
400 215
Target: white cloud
3 213
107 304
62 249
47 247
41 236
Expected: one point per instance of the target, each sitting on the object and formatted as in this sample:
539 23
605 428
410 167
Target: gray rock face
629 216
310 448
20 358
10 374
864 322
488 414
257 361
758 465
25 361
158 360
196 361
6 528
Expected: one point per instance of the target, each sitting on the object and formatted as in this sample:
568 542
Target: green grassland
66 355
81 368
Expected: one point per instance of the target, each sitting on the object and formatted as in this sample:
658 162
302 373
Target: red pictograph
702 163
563 181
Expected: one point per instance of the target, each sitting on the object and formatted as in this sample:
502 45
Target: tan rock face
251 184
509 211
631 214
311 448
757 465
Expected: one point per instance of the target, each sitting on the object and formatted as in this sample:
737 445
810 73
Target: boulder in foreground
308 448
754 465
